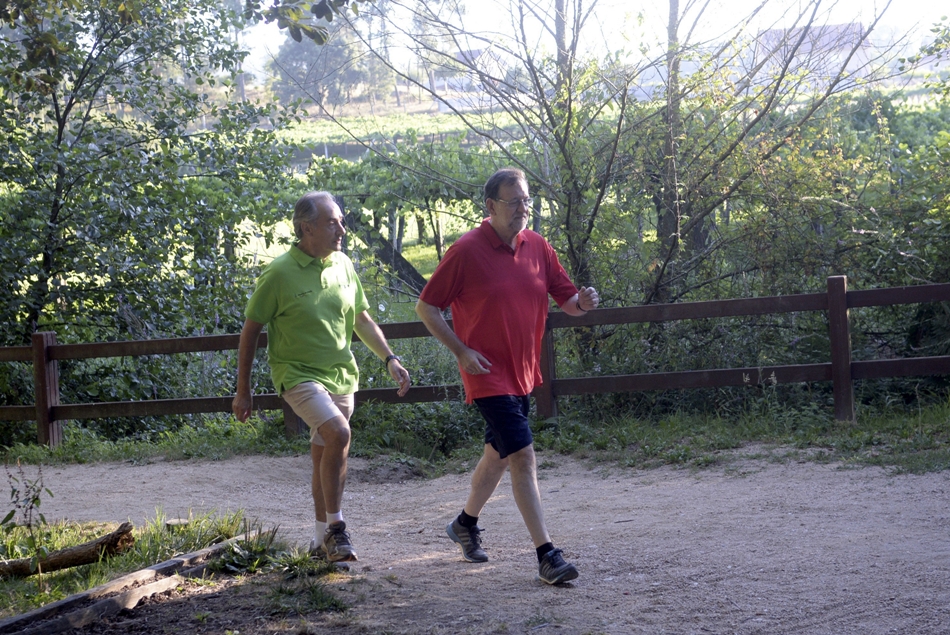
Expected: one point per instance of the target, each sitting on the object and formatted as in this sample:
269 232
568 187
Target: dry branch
87 553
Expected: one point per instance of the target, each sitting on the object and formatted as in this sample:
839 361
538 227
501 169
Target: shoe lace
339 534
555 560
474 536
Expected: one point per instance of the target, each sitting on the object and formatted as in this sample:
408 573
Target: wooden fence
841 370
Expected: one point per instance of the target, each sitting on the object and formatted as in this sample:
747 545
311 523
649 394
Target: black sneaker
337 543
469 540
553 569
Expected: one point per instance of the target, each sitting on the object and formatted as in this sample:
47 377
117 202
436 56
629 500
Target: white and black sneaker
336 542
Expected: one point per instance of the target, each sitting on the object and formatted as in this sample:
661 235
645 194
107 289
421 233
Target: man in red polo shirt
497 279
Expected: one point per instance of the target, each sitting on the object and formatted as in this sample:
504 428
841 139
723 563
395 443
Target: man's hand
241 406
473 362
587 299
400 375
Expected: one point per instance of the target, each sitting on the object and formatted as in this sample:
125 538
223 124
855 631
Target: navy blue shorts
508 429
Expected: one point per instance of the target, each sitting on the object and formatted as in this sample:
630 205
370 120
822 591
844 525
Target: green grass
219 438
423 257
914 442
398 126
434 438
299 590
154 543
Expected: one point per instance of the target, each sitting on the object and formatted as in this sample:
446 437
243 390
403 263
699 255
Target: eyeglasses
518 202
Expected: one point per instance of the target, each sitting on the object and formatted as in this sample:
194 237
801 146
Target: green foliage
293 15
25 500
252 555
126 182
322 75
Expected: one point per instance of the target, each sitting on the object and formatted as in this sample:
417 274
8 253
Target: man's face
326 232
510 211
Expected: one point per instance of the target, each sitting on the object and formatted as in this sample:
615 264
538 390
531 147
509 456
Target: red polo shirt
499 300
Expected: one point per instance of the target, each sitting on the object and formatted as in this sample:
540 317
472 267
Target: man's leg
336 436
316 488
509 430
464 530
552 568
524 486
485 479
328 416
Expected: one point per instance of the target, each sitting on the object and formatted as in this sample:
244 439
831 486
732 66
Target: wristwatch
390 358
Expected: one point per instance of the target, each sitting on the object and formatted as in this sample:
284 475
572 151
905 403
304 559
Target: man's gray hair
504 176
308 208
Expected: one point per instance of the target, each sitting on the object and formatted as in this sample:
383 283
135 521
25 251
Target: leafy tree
293 15
114 142
128 172
635 153
328 75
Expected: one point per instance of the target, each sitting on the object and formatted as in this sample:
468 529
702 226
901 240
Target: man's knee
523 459
335 432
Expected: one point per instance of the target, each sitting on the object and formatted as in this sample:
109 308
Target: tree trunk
117 542
421 228
436 222
386 253
400 232
560 36
536 215
667 200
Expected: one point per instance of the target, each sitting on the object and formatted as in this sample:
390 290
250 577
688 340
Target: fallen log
104 608
87 553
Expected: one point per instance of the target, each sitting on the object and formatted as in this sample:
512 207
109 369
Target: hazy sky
616 21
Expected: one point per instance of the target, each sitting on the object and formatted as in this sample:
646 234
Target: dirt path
754 547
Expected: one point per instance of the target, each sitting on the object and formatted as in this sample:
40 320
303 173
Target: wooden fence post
839 329
544 398
46 390
294 426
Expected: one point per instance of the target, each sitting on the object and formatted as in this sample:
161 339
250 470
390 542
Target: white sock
334 517
320 528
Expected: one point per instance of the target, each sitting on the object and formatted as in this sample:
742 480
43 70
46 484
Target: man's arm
471 361
371 335
582 302
242 403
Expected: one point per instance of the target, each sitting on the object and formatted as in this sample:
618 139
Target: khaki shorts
316 406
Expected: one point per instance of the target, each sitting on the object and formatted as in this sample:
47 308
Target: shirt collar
493 238
304 260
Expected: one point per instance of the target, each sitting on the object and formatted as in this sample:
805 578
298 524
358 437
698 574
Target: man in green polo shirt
312 302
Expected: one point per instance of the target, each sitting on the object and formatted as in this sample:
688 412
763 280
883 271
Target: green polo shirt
309 307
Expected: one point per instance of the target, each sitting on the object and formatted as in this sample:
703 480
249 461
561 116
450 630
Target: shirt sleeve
446 281
559 284
262 307
359 298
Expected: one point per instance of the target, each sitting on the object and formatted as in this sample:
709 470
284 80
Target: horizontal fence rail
841 370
